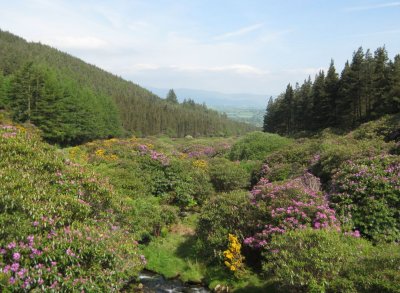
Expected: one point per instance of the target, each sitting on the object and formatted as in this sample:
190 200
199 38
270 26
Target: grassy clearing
175 256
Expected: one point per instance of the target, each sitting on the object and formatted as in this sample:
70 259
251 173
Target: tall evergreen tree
381 83
2 91
306 116
331 92
394 93
268 116
287 103
171 97
357 85
321 106
344 104
367 75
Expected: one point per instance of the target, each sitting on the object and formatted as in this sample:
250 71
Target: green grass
174 255
163 257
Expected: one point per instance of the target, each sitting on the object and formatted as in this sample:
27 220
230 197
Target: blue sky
228 46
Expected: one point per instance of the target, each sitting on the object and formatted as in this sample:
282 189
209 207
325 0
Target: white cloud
149 47
234 68
240 69
372 7
239 32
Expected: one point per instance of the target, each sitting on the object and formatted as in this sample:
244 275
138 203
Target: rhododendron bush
366 193
295 204
59 228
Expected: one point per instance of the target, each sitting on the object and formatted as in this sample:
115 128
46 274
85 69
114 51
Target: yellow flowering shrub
101 153
110 141
78 155
200 164
233 257
21 128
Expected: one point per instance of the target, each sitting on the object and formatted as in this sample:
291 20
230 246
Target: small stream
154 283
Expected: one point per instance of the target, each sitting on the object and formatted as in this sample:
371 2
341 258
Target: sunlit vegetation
256 213
74 102
368 88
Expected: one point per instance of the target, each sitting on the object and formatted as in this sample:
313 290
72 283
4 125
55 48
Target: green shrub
377 129
309 260
376 270
60 227
256 146
334 152
291 161
225 213
148 217
366 193
136 168
227 176
188 185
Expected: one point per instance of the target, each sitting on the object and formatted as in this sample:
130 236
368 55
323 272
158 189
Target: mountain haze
216 99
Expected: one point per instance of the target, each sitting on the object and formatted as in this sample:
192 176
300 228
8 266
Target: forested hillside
72 101
368 88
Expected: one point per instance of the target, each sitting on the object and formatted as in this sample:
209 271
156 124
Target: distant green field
250 115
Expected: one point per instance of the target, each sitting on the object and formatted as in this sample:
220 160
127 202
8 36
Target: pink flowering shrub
366 194
199 151
288 206
79 257
144 167
61 227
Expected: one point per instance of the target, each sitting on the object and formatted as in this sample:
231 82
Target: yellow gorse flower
102 154
233 257
200 164
110 141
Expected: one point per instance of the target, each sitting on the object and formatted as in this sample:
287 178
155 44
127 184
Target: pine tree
287 104
321 106
331 92
394 93
357 84
171 97
380 83
2 91
368 68
268 116
345 101
26 91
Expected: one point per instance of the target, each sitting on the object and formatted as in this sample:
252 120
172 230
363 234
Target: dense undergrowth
61 226
259 213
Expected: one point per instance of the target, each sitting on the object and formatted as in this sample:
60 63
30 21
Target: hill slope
138 109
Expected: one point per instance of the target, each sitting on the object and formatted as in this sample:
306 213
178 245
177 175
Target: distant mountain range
215 99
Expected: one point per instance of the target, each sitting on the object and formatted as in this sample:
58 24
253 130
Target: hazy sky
228 46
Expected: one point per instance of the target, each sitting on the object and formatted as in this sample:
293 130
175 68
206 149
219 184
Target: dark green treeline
367 88
72 101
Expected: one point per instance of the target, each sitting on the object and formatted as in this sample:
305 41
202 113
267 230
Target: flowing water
156 283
